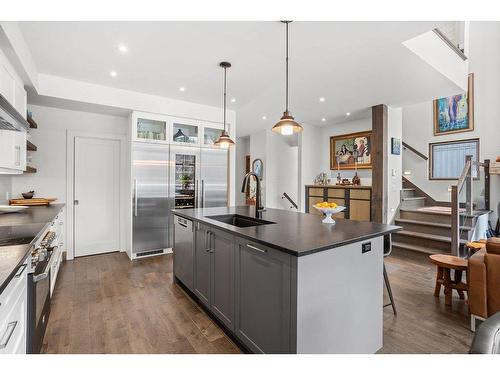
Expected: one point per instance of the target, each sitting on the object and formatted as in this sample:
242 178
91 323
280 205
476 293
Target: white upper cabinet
211 132
154 128
185 132
12 152
11 86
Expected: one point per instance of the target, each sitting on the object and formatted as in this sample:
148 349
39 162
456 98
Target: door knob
76 202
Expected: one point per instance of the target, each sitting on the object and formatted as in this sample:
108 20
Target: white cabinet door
7 81
20 98
13 150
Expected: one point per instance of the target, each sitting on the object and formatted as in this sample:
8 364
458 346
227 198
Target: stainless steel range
40 262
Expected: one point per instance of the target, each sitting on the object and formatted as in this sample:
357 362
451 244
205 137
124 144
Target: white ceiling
354 65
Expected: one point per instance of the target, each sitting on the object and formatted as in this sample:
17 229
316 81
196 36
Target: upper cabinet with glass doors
185 132
154 128
211 132
151 128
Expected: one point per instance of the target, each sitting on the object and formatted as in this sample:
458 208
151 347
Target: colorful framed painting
455 114
395 146
351 151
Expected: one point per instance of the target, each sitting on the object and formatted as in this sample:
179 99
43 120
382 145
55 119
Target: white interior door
97 195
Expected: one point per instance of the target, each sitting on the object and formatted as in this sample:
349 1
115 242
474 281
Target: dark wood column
379 152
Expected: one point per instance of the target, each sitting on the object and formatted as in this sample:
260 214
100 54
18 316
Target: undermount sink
239 220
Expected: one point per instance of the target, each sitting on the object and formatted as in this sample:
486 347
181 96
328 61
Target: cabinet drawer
13 326
316 192
12 291
336 193
360 194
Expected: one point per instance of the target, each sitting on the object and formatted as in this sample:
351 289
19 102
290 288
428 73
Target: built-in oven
41 261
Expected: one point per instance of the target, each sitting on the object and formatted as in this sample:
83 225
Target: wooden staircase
424 231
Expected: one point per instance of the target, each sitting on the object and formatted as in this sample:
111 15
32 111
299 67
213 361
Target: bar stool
387 252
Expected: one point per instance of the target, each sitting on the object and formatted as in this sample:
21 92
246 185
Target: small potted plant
185 180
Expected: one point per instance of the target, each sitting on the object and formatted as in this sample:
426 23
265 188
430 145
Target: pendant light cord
225 88
286 68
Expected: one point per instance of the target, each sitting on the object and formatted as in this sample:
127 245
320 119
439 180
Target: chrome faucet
258 192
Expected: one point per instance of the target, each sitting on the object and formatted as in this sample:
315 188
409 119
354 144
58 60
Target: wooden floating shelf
30 169
32 123
30 146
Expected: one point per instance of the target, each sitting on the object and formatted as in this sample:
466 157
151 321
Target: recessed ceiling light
323 119
122 48
264 118
182 89
233 100
348 114
113 73
321 99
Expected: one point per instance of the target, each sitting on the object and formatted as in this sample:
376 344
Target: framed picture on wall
258 168
395 146
455 114
350 151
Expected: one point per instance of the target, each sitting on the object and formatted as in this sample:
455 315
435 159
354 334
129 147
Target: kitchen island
286 283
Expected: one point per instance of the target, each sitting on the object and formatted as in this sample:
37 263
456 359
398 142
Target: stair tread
412 198
421 249
434 237
418 210
429 223
408 189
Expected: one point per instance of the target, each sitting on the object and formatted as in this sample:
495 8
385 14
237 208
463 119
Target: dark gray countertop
34 220
295 233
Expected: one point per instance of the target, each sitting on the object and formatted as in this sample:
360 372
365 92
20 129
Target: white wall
418 118
242 150
51 156
50 138
309 160
394 162
5 189
347 127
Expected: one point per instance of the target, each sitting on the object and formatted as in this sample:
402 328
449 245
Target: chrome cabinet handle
196 196
20 271
202 193
7 334
135 197
18 155
256 248
207 241
212 249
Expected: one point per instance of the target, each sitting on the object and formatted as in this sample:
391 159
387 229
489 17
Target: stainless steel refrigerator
150 199
198 178
167 177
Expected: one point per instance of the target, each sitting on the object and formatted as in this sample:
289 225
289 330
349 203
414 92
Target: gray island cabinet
276 295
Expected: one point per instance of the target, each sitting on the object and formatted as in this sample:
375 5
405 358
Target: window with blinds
447 159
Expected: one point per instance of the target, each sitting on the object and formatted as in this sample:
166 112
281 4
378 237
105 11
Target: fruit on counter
326 205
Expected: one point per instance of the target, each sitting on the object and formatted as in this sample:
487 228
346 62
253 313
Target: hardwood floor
107 304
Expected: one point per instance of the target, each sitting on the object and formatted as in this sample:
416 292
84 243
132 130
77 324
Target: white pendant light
287 124
224 140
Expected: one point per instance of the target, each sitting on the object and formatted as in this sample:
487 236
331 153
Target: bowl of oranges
328 209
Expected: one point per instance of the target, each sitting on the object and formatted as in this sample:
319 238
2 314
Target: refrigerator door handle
202 193
196 196
135 197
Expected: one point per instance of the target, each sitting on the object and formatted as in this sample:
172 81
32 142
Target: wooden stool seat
446 263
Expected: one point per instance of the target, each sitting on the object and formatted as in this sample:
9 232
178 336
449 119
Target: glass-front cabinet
185 132
151 130
210 135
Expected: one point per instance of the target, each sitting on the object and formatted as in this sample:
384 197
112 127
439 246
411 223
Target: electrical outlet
366 247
